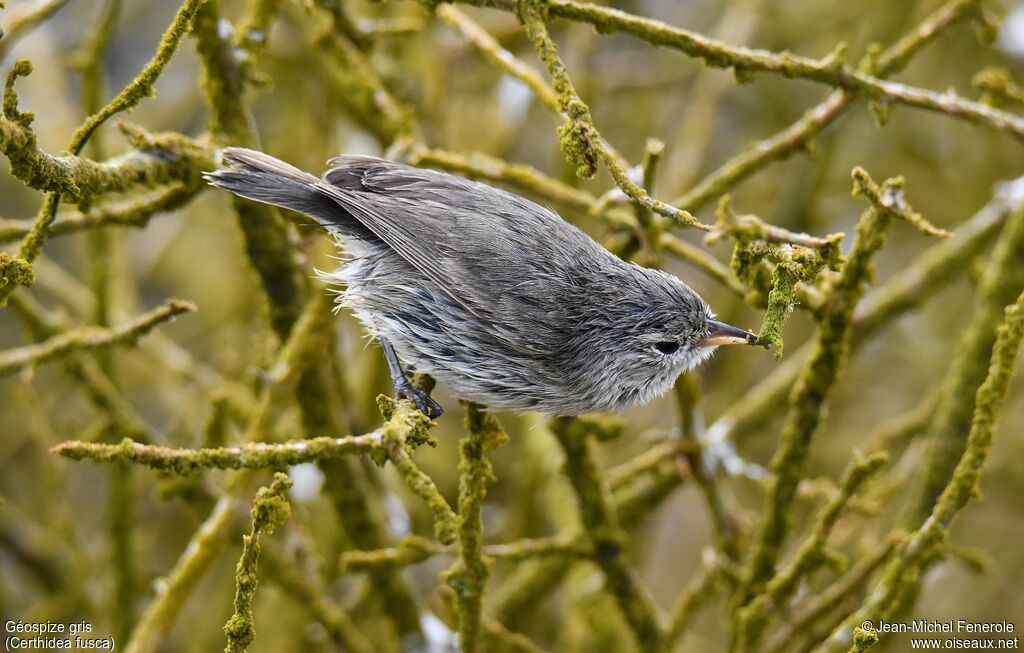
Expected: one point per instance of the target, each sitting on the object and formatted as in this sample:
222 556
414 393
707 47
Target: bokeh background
55 544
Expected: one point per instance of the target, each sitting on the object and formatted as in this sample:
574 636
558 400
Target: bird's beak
724 334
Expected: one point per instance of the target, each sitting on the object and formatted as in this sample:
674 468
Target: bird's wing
488 249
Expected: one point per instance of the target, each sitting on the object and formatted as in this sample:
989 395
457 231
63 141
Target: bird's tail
262 178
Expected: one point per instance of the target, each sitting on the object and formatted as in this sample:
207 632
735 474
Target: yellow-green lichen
269 510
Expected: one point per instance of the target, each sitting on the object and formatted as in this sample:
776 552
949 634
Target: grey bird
492 295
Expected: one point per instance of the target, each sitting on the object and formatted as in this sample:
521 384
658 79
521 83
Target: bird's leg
403 388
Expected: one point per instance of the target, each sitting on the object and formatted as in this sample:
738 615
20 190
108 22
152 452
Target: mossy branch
266 237
754 616
798 136
823 604
468 576
173 589
158 159
39 170
253 455
399 438
135 211
902 293
830 70
581 143
477 165
1002 280
270 509
87 338
360 88
413 550
813 387
313 596
906 569
499 56
863 640
697 593
96 383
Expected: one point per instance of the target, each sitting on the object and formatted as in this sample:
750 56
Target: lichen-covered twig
469 575
824 603
497 637
797 259
262 226
253 455
499 56
414 549
946 436
358 86
907 566
85 338
754 617
399 437
158 159
697 593
813 386
39 170
96 383
410 551
903 292
750 227
703 261
143 84
270 509
797 136
722 515
135 211
477 165
863 640
581 142
829 70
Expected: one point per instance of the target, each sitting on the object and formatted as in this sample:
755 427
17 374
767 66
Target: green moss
576 140
15 271
947 435
144 84
257 455
813 553
405 429
780 305
21 68
269 510
468 576
813 387
863 640
167 158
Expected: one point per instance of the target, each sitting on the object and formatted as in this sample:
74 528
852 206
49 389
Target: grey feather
493 295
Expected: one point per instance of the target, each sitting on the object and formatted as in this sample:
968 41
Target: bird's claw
422 399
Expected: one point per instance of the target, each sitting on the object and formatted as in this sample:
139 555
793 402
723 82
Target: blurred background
56 556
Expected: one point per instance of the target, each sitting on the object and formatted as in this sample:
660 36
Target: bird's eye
667 347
